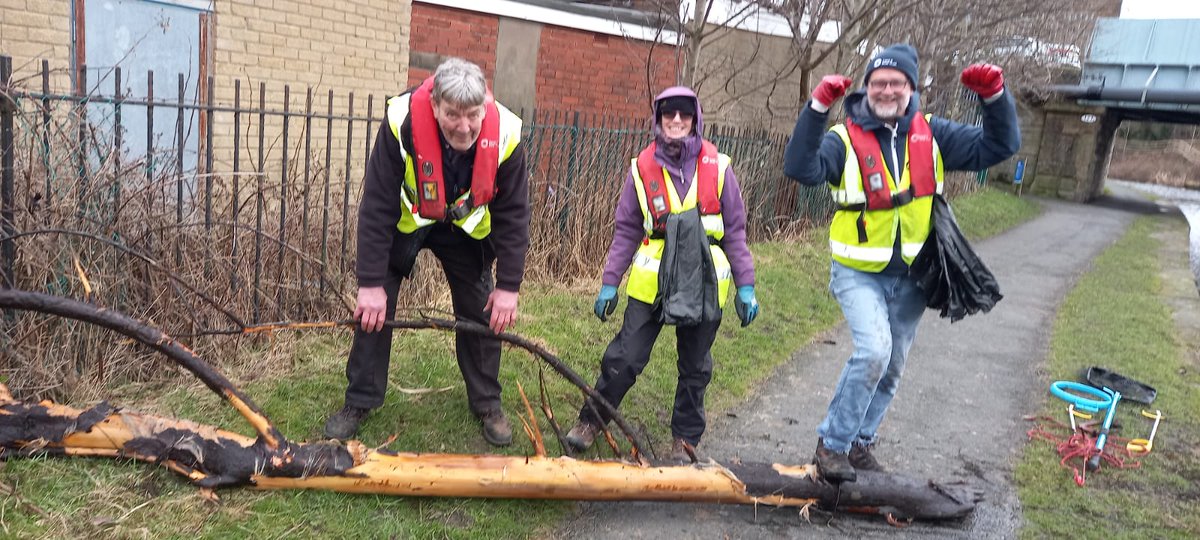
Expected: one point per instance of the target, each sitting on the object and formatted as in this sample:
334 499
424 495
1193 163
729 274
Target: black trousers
468 266
629 352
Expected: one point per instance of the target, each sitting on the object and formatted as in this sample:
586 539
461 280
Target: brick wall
32 30
599 73
446 31
576 69
358 46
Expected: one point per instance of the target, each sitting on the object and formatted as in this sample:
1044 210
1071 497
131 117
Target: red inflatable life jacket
431 187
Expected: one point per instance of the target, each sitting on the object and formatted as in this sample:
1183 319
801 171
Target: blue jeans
882 311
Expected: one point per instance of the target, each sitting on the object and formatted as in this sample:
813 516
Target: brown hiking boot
581 436
679 451
834 467
496 429
861 459
344 423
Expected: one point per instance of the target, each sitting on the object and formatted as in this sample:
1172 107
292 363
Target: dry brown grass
114 230
1169 163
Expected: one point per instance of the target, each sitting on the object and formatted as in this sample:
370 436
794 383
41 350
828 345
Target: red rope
1082 445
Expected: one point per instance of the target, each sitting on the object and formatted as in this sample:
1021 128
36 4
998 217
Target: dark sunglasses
672 114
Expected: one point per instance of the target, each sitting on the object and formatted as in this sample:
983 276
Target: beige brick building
31 30
343 45
338 46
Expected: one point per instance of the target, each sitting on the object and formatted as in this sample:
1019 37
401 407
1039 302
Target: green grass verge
1116 317
426 410
988 212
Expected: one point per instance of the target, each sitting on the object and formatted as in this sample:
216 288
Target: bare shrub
1169 163
258 236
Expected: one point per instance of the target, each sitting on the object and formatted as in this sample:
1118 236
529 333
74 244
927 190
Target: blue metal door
139 36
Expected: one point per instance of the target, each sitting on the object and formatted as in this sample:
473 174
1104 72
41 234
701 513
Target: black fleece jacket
380 211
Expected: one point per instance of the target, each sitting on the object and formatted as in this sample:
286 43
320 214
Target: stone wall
1072 153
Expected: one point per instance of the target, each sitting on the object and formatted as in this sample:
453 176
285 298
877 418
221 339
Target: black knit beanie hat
900 56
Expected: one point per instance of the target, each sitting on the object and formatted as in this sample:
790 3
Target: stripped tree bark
210 457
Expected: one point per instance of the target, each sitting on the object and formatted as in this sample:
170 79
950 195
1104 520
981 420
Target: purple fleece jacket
679 158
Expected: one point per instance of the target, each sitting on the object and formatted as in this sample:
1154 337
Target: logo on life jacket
427 168
659 203
875 181
870 161
488 143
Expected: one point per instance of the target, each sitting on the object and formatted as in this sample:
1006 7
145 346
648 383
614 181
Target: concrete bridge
1143 70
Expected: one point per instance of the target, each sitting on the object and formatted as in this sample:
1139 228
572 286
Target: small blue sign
1020 174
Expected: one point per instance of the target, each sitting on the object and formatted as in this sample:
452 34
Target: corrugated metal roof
1130 41
1139 53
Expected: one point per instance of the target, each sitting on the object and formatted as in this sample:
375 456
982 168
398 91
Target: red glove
983 79
831 88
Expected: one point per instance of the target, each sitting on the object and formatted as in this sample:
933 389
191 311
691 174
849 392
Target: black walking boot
344 423
581 436
680 452
835 468
496 429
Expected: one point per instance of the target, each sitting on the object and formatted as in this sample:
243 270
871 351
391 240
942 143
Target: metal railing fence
257 203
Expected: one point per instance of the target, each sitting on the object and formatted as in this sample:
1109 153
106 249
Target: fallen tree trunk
211 457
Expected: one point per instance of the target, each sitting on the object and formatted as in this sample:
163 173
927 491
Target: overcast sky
1160 9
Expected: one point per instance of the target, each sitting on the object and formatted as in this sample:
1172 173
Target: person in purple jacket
679 172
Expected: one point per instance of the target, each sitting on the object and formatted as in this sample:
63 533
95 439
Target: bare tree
753 61
1037 42
854 24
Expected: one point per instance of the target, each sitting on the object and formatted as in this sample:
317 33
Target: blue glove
606 302
746 304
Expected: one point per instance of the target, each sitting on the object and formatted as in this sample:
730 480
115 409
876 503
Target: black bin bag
955 280
687 277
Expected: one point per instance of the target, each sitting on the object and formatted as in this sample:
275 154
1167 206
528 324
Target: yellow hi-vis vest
643 275
478 222
912 221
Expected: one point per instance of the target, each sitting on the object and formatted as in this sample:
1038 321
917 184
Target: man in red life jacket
883 166
447 174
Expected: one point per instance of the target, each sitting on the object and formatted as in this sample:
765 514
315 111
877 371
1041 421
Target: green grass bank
298 380
1135 313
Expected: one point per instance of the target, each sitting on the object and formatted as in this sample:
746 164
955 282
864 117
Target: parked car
1061 54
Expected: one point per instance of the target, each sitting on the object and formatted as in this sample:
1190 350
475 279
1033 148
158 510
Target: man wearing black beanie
883 166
